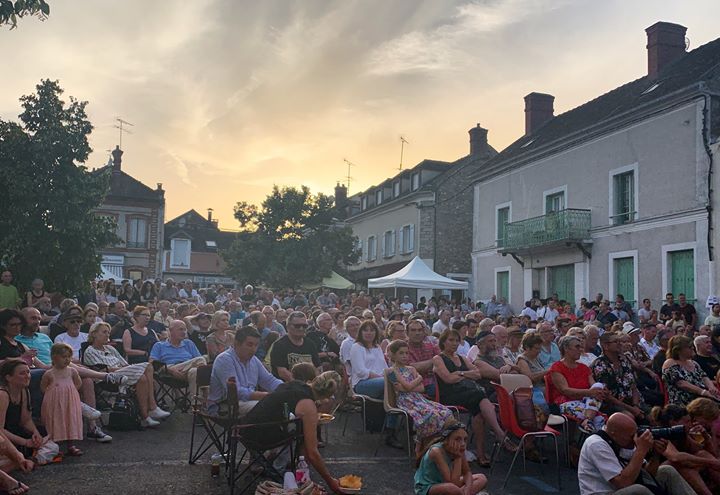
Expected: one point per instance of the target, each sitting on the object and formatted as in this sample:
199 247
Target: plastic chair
511 382
510 424
390 405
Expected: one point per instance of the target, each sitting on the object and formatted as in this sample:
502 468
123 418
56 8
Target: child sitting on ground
443 470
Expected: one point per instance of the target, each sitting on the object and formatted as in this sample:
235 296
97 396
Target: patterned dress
676 373
428 417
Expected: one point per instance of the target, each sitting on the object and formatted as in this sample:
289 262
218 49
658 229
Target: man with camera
613 462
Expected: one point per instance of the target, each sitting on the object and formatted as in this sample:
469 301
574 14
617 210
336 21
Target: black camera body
667 433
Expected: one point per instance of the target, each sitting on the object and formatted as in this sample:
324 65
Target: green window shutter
682 273
503 285
624 269
562 282
502 220
624 198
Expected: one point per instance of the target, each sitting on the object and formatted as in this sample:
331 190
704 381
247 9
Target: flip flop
19 489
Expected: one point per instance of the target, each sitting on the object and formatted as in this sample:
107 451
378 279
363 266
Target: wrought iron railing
564 225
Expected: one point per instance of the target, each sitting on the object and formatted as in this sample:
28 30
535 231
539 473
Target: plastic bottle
302 473
215 461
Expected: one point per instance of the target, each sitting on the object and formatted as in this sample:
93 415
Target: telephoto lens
670 433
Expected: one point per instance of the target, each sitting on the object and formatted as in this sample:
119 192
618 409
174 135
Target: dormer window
396 189
415 181
378 197
363 203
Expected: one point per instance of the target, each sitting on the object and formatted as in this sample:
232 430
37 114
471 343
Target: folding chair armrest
158 366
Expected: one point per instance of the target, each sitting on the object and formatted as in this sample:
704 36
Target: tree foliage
293 238
11 10
47 228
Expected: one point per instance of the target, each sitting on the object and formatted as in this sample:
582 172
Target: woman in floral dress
684 378
428 417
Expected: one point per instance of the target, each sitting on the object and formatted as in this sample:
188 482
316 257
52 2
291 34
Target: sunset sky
230 97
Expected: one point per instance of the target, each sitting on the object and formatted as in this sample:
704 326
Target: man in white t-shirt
601 472
406 305
443 323
549 312
529 311
72 335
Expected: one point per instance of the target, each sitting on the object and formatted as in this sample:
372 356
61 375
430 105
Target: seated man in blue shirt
250 375
179 354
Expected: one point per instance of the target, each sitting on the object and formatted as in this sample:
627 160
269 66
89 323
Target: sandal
73 451
19 489
508 445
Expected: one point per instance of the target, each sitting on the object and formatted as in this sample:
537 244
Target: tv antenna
348 178
403 142
119 125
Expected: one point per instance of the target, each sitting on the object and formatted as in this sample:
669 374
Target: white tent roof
416 275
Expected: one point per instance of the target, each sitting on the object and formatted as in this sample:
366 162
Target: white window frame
611 192
389 253
371 252
501 269
499 207
550 192
172 250
144 231
413 178
612 290
396 189
665 251
407 242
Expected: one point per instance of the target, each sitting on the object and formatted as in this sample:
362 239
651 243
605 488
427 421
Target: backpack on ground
125 414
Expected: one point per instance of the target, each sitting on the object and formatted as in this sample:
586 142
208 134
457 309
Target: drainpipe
709 205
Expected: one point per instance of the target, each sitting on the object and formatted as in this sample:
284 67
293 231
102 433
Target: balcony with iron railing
569 226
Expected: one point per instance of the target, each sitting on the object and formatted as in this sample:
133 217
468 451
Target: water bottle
302 473
289 481
215 461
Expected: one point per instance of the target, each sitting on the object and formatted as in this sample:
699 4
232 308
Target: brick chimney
209 215
538 110
341 200
665 44
117 159
478 139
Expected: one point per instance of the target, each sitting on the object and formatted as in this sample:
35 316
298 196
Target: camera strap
644 478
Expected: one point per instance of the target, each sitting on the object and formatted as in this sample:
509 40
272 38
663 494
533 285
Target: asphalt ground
155 461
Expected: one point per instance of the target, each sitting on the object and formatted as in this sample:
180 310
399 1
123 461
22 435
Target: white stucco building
615 196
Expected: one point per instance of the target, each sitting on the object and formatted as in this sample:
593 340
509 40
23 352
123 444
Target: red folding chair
509 422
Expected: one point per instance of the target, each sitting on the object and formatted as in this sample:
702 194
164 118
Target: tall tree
11 10
47 228
291 239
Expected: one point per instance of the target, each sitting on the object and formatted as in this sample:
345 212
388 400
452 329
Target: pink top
578 377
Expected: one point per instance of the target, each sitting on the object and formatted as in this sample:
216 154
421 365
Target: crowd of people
605 366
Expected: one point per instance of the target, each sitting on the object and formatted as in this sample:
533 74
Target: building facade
192 250
613 197
139 212
424 211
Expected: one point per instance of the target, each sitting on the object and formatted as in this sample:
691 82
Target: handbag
124 415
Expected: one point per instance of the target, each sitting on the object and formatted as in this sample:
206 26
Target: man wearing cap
198 328
615 371
646 379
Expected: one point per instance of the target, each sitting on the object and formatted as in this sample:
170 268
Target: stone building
615 196
139 212
424 211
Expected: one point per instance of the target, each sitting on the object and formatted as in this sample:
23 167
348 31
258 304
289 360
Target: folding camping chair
254 451
215 423
171 393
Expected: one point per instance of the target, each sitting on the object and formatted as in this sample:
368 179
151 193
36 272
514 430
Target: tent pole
395 292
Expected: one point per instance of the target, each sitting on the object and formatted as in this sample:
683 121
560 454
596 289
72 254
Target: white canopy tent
416 275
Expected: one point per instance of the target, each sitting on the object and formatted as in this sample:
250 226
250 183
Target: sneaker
116 379
89 413
158 413
149 423
99 435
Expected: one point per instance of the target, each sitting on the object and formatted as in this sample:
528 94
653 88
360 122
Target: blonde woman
395 331
139 374
220 337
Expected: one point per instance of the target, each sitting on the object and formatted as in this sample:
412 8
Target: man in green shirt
9 297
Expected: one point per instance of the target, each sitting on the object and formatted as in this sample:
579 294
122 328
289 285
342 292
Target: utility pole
348 178
403 142
119 125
